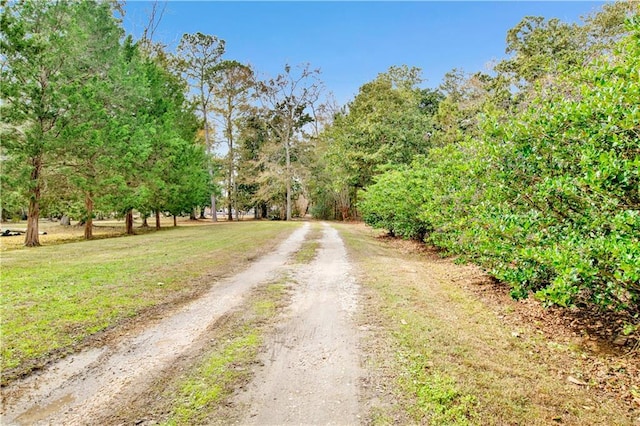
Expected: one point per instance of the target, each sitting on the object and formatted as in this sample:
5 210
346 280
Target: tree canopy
90 117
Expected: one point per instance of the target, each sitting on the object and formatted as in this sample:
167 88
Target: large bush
570 174
547 199
395 200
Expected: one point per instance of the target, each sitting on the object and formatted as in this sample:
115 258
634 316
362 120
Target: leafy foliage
91 121
545 196
388 123
288 101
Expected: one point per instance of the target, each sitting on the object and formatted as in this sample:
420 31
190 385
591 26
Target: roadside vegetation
531 171
446 356
545 197
57 297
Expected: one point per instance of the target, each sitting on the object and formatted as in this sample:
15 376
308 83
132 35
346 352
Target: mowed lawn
54 297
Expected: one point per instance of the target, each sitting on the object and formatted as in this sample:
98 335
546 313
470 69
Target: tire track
311 370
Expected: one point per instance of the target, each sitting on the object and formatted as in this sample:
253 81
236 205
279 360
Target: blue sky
352 42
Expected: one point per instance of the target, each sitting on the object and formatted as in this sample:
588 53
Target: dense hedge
546 199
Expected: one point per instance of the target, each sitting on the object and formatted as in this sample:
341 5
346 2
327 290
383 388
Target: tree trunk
88 224
202 213
65 221
129 222
145 223
157 219
355 204
229 131
214 213
214 216
175 221
288 177
235 203
31 238
192 214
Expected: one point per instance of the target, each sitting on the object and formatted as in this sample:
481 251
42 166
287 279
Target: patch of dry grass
310 246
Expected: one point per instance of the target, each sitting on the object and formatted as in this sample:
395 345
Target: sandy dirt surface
88 385
310 368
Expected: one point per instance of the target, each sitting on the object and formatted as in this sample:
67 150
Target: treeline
91 120
95 123
531 171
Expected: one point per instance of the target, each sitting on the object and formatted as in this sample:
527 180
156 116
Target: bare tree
289 100
154 18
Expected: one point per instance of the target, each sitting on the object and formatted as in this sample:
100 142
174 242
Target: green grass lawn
55 297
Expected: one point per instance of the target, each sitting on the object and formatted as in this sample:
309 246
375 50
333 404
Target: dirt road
311 365
310 369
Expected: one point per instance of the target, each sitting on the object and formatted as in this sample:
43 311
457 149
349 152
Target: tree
85 155
48 48
458 115
547 48
188 177
174 132
541 47
604 28
253 137
388 123
199 57
287 100
231 89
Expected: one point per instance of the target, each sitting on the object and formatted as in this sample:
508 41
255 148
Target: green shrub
548 199
394 201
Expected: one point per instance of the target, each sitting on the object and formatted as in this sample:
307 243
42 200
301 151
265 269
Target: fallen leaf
575 381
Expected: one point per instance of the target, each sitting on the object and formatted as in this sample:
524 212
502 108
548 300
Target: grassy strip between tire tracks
445 358
55 297
310 246
199 396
